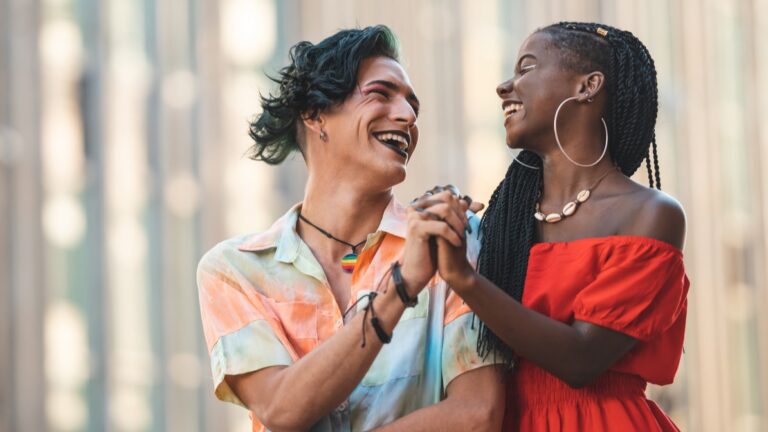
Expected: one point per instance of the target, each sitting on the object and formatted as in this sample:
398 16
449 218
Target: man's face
373 133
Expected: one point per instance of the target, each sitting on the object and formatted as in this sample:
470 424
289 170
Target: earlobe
315 125
590 87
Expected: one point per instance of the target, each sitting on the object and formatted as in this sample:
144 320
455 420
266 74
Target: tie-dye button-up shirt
265 301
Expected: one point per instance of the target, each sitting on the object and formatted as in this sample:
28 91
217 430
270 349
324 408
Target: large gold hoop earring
515 159
557 138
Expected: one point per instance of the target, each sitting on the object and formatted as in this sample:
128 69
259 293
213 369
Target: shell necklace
570 208
349 260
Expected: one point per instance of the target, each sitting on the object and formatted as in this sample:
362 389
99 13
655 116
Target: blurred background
122 132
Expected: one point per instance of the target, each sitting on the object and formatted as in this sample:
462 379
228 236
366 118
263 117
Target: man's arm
295 397
288 398
475 402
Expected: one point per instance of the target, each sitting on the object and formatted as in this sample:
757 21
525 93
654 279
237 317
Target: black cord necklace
349 260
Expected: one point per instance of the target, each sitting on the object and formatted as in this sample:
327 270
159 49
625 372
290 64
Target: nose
505 88
403 112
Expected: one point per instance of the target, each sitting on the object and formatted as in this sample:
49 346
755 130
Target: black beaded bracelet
397 279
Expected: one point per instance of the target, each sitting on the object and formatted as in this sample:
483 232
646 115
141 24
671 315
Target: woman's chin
514 143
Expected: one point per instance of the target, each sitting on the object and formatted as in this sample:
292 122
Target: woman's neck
563 180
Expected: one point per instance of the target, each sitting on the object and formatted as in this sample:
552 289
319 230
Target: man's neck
347 213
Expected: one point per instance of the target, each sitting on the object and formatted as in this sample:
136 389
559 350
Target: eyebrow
411 96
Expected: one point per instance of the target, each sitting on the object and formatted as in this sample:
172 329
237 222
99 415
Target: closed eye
379 91
526 69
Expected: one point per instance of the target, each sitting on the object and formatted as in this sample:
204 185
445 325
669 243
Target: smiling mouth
511 108
396 141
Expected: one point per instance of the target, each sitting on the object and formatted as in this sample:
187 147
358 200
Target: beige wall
133 115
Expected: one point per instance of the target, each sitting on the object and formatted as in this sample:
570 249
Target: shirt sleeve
641 291
240 333
460 348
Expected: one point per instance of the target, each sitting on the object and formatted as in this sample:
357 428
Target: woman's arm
576 353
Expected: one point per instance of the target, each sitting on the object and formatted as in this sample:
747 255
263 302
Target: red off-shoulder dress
633 285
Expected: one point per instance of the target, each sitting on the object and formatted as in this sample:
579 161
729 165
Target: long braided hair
508 226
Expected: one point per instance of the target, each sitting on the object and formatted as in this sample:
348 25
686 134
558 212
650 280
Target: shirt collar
282 234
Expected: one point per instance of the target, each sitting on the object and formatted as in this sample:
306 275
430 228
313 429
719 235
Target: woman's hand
453 266
452 262
437 215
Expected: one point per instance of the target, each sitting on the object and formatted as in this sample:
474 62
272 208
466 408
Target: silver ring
454 190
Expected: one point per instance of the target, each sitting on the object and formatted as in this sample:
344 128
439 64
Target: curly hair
508 225
318 77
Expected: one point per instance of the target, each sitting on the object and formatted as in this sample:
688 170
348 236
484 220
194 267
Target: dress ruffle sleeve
641 290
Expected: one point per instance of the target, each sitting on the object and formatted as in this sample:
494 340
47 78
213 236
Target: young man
273 303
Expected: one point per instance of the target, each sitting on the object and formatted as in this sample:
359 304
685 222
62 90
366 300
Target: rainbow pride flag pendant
348 262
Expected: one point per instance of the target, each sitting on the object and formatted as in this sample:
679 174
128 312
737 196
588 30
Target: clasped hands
436 238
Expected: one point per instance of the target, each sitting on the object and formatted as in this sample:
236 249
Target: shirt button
339 323
342 407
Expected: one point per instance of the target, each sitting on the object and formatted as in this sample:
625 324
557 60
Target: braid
508 227
650 171
508 232
656 162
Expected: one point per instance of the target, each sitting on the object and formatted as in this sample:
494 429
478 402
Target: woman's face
530 98
373 133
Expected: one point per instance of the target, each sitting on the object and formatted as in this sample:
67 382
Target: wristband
380 332
397 280
375 322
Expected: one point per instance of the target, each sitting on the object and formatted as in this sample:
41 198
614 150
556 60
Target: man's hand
438 215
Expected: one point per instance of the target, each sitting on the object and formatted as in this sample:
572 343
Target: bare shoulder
658 216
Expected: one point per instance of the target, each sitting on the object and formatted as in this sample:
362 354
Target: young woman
581 281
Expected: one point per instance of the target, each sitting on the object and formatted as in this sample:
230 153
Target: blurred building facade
122 133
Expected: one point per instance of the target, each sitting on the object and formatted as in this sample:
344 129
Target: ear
314 124
591 85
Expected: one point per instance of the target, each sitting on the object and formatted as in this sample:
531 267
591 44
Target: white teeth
402 142
512 108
